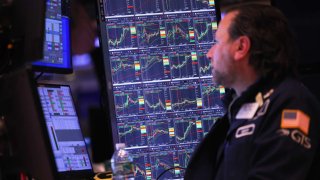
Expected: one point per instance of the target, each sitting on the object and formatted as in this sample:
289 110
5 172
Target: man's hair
273 52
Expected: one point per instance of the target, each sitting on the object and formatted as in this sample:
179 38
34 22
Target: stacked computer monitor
56 49
44 135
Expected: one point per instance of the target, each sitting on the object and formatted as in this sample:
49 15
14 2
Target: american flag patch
295 119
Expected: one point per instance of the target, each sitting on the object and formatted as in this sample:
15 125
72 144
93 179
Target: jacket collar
262 85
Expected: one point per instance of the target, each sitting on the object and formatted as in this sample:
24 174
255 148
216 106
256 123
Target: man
271 128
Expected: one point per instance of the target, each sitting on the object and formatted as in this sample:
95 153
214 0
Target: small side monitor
63 127
57 48
43 129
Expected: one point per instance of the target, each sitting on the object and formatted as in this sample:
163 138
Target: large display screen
161 94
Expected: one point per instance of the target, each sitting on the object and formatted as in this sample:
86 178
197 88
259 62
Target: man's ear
242 47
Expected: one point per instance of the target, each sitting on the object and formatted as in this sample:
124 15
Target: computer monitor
57 49
43 128
161 94
63 127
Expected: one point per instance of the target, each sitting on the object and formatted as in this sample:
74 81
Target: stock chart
184 98
203 30
118 7
159 133
149 34
211 94
154 67
122 34
204 64
142 169
155 101
163 101
184 157
134 134
123 69
207 123
148 6
179 31
186 130
184 64
160 162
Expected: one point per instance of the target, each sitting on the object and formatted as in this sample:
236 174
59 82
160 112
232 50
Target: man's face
221 54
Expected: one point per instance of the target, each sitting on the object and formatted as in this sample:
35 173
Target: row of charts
127 7
155 64
155 98
164 130
150 163
161 30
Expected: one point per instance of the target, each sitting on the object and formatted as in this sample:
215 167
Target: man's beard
220 78
216 78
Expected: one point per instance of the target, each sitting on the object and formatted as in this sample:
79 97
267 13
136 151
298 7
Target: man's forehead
225 22
228 17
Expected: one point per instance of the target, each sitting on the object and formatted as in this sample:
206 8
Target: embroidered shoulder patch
295 119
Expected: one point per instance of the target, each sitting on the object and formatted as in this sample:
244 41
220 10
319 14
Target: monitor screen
161 94
63 127
57 49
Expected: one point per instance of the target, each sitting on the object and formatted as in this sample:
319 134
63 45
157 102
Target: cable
176 167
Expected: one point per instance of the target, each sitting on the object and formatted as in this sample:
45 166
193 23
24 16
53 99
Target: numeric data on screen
164 100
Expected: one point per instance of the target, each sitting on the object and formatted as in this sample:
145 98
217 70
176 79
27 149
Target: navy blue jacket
257 140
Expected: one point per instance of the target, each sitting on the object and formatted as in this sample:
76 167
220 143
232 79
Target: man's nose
210 53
